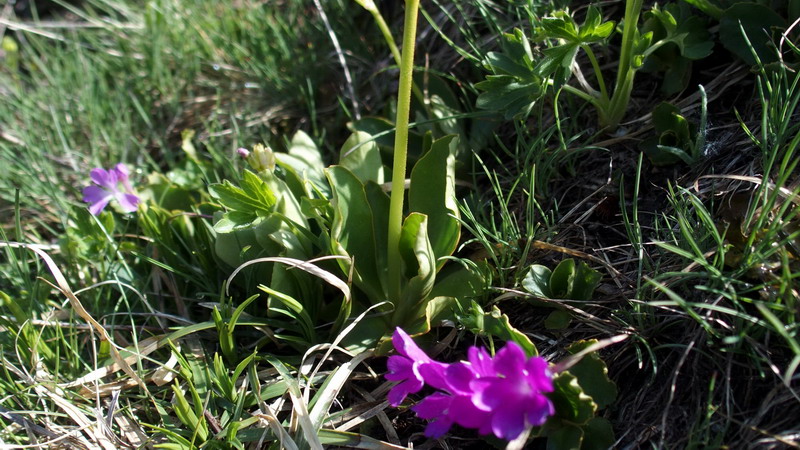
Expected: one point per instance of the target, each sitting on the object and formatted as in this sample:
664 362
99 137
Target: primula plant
110 185
503 394
393 252
511 394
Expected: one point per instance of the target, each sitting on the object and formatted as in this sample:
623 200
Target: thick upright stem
401 149
626 71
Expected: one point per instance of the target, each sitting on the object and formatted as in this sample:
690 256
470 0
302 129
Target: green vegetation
638 228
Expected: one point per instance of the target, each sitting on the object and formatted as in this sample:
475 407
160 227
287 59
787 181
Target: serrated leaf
458 281
556 58
560 26
504 95
592 375
497 324
507 65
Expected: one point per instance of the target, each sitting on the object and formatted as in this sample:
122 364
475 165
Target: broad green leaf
237 246
456 280
304 159
571 403
419 263
562 278
304 148
558 320
382 131
287 204
508 95
432 193
379 204
592 375
360 154
566 437
352 231
537 281
758 22
597 435
585 282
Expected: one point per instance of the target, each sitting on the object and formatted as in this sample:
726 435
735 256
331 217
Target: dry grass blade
146 347
334 385
308 266
78 417
571 360
63 286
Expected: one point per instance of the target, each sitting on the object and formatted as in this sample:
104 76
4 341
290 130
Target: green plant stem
583 94
400 151
598 74
625 74
387 34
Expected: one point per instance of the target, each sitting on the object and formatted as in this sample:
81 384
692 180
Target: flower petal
104 178
539 408
459 376
97 198
128 202
399 393
510 360
508 423
539 376
432 406
407 347
481 361
400 368
122 173
438 428
434 374
463 412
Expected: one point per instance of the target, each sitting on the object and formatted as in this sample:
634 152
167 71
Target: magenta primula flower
406 368
515 395
503 395
108 187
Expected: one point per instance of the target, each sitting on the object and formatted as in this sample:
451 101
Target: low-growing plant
522 78
676 138
512 394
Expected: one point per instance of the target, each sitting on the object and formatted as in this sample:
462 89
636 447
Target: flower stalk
401 150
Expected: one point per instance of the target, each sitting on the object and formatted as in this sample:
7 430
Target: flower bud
262 158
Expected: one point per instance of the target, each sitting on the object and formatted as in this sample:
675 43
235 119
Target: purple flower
515 396
503 395
406 368
108 188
